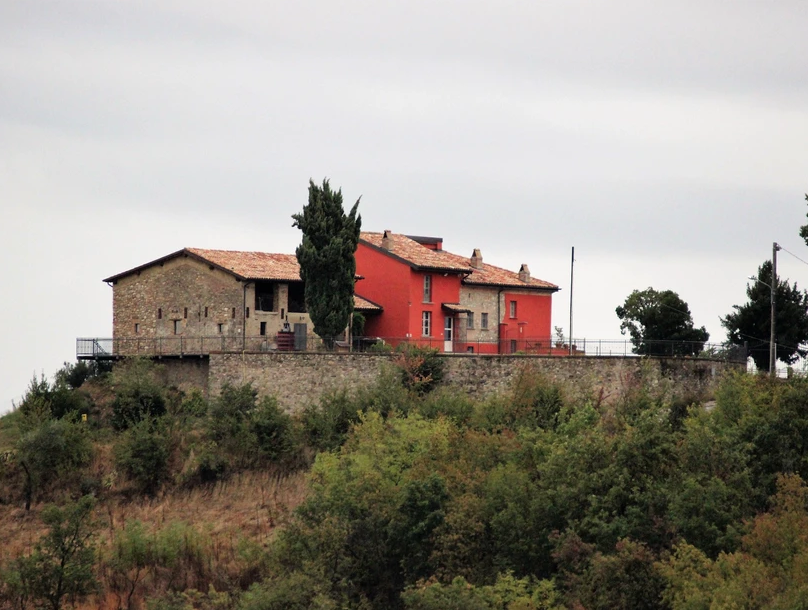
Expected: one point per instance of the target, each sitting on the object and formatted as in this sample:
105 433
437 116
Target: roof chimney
476 259
387 242
524 273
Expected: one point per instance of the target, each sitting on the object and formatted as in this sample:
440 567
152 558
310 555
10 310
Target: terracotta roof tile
363 304
411 252
253 265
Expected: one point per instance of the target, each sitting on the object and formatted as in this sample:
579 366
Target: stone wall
297 379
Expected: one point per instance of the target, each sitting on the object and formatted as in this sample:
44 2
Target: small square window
513 309
484 321
470 320
426 323
427 289
470 349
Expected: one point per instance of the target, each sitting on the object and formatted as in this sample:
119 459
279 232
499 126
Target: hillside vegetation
118 492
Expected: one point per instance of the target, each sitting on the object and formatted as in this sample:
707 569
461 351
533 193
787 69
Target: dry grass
247 506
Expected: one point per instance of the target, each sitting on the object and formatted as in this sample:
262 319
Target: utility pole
572 267
773 286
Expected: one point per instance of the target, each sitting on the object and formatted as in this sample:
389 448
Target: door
300 337
448 333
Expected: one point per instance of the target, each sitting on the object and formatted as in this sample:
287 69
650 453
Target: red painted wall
531 327
445 289
386 282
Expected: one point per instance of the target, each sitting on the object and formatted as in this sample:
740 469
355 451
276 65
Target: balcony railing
180 345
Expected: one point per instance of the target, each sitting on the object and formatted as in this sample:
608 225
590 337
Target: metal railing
180 345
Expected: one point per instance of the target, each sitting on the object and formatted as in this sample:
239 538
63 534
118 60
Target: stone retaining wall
298 379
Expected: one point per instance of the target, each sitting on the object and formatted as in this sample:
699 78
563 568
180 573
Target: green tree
660 324
751 322
50 452
61 565
804 228
143 452
326 257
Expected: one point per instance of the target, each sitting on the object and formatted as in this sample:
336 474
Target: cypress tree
326 257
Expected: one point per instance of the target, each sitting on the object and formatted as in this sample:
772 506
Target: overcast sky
666 141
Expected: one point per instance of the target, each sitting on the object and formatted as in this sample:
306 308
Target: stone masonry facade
297 380
184 305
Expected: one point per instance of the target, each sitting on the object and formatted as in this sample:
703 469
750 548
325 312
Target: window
470 320
470 349
513 309
264 296
177 327
247 313
263 328
484 321
159 313
513 346
427 289
206 312
297 298
233 313
137 328
426 323
221 328
185 313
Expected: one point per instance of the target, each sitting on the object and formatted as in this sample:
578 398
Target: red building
450 302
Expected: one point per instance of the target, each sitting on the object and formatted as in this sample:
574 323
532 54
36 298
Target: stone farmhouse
196 301
454 303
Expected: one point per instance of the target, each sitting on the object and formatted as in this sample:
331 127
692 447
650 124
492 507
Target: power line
794 255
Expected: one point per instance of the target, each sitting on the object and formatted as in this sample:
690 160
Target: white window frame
512 309
427 289
426 323
484 320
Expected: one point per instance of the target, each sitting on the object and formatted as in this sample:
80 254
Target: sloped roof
363 304
253 265
414 254
244 265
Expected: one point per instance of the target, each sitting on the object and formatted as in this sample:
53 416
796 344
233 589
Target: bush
249 431
421 369
142 453
326 425
138 393
56 449
62 562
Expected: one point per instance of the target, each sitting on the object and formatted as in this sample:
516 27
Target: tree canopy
326 257
751 322
660 323
804 228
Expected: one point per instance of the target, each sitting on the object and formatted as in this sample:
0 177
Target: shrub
138 393
326 424
62 562
249 431
421 369
48 453
142 453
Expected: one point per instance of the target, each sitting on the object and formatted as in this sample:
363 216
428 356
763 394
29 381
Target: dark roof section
455 308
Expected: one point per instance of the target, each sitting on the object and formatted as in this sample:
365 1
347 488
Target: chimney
387 242
524 273
476 259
